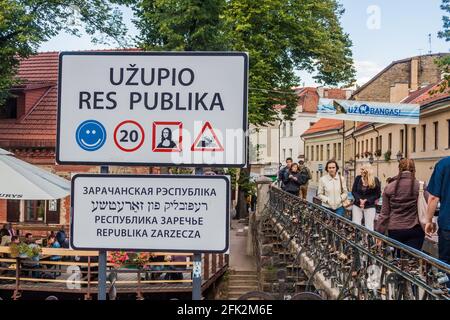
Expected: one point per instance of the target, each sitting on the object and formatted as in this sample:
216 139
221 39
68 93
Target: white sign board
152 108
180 213
380 112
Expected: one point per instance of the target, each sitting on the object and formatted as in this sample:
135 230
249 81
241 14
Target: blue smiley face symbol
91 135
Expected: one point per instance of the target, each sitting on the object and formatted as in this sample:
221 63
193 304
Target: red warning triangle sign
207 140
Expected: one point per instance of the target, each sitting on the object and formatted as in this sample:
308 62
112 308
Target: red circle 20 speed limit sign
129 136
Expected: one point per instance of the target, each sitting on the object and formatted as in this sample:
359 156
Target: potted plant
118 258
378 153
387 155
23 250
357 156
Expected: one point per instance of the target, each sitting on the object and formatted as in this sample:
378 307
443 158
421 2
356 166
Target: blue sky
381 30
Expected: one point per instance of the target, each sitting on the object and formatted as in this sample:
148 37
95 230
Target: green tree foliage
281 37
444 63
176 25
25 24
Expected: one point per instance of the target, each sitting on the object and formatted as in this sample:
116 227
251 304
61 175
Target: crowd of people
59 240
402 217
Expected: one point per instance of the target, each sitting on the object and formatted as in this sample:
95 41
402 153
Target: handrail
12 268
348 252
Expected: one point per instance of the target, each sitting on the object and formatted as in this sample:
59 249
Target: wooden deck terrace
76 274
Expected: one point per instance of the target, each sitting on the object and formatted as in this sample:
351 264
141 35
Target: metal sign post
102 261
197 266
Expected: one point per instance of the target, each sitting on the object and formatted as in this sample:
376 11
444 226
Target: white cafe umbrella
20 180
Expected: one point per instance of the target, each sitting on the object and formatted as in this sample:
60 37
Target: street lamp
399 156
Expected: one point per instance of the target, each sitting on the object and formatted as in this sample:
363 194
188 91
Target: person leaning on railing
399 212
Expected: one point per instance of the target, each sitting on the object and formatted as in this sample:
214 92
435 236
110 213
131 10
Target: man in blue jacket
439 190
284 172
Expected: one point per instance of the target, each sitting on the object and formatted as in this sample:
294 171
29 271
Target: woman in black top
366 190
292 180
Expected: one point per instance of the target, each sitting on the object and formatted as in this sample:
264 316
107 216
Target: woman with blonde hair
366 190
399 213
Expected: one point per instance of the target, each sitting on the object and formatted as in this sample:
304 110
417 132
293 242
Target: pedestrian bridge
307 252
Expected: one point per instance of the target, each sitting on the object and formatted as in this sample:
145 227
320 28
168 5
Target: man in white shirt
332 189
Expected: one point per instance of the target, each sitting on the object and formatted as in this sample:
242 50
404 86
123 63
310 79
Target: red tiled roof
324 125
425 97
42 67
38 126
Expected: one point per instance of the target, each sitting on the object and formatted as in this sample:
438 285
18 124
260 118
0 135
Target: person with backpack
366 190
305 174
282 174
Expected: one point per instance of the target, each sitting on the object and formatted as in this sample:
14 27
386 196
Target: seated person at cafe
52 243
34 264
62 238
7 230
176 275
156 275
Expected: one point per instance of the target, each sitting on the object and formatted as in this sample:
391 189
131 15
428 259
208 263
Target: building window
367 145
402 141
328 152
321 152
414 139
371 145
284 129
291 129
307 153
436 135
339 151
390 142
317 153
362 147
424 137
381 143
34 210
312 153
334 150
290 153
359 147
9 109
448 128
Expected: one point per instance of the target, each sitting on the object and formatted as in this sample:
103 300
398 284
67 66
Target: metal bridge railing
348 255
